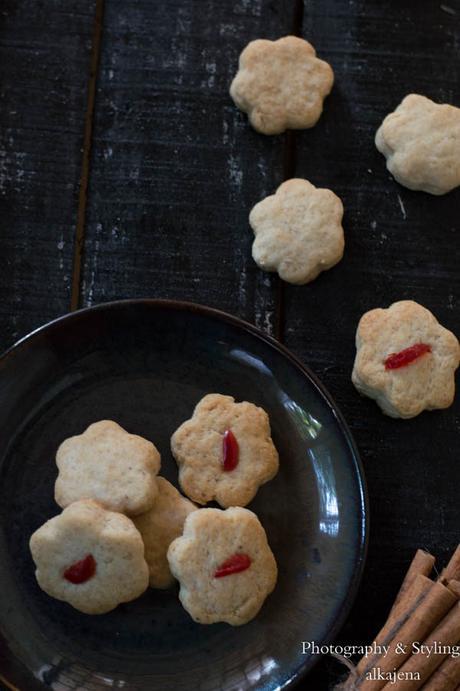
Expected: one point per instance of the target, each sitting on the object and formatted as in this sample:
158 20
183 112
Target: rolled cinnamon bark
422 563
433 606
419 586
446 677
452 570
398 616
446 634
454 586
410 590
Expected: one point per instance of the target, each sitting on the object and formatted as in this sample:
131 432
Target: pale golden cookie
298 231
109 465
224 564
159 527
281 84
225 451
405 360
421 142
89 557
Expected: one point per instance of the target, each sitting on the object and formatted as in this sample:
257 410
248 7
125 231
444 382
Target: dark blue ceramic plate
145 364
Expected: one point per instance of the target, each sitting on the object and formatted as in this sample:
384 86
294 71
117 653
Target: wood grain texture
176 167
44 63
399 245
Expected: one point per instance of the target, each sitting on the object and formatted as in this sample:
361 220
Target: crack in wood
79 245
289 169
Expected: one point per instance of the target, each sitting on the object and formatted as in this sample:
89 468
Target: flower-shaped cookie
89 557
224 565
421 142
298 231
281 84
225 451
109 465
405 360
159 527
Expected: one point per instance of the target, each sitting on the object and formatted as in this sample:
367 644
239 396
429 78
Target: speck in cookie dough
224 564
225 451
298 231
421 142
159 527
89 557
281 84
109 465
405 360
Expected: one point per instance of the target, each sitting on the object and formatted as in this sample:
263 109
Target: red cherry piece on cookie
230 451
235 564
406 356
81 571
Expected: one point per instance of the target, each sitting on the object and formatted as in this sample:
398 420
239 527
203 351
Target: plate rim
220 315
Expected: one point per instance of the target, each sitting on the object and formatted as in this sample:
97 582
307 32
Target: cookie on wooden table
405 360
224 565
89 557
298 231
281 84
108 464
225 451
159 527
421 142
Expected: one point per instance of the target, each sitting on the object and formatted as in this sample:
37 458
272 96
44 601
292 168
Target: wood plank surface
175 167
399 245
44 67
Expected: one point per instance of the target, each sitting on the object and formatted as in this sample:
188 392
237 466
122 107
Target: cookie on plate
159 527
405 360
281 84
109 465
298 231
225 451
89 557
224 565
421 142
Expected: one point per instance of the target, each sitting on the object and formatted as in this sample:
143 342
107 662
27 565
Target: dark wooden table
126 171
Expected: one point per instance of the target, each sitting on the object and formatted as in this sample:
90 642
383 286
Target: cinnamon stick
409 601
422 563
446 634
454 586
452 570
446 677
419 586
433 606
